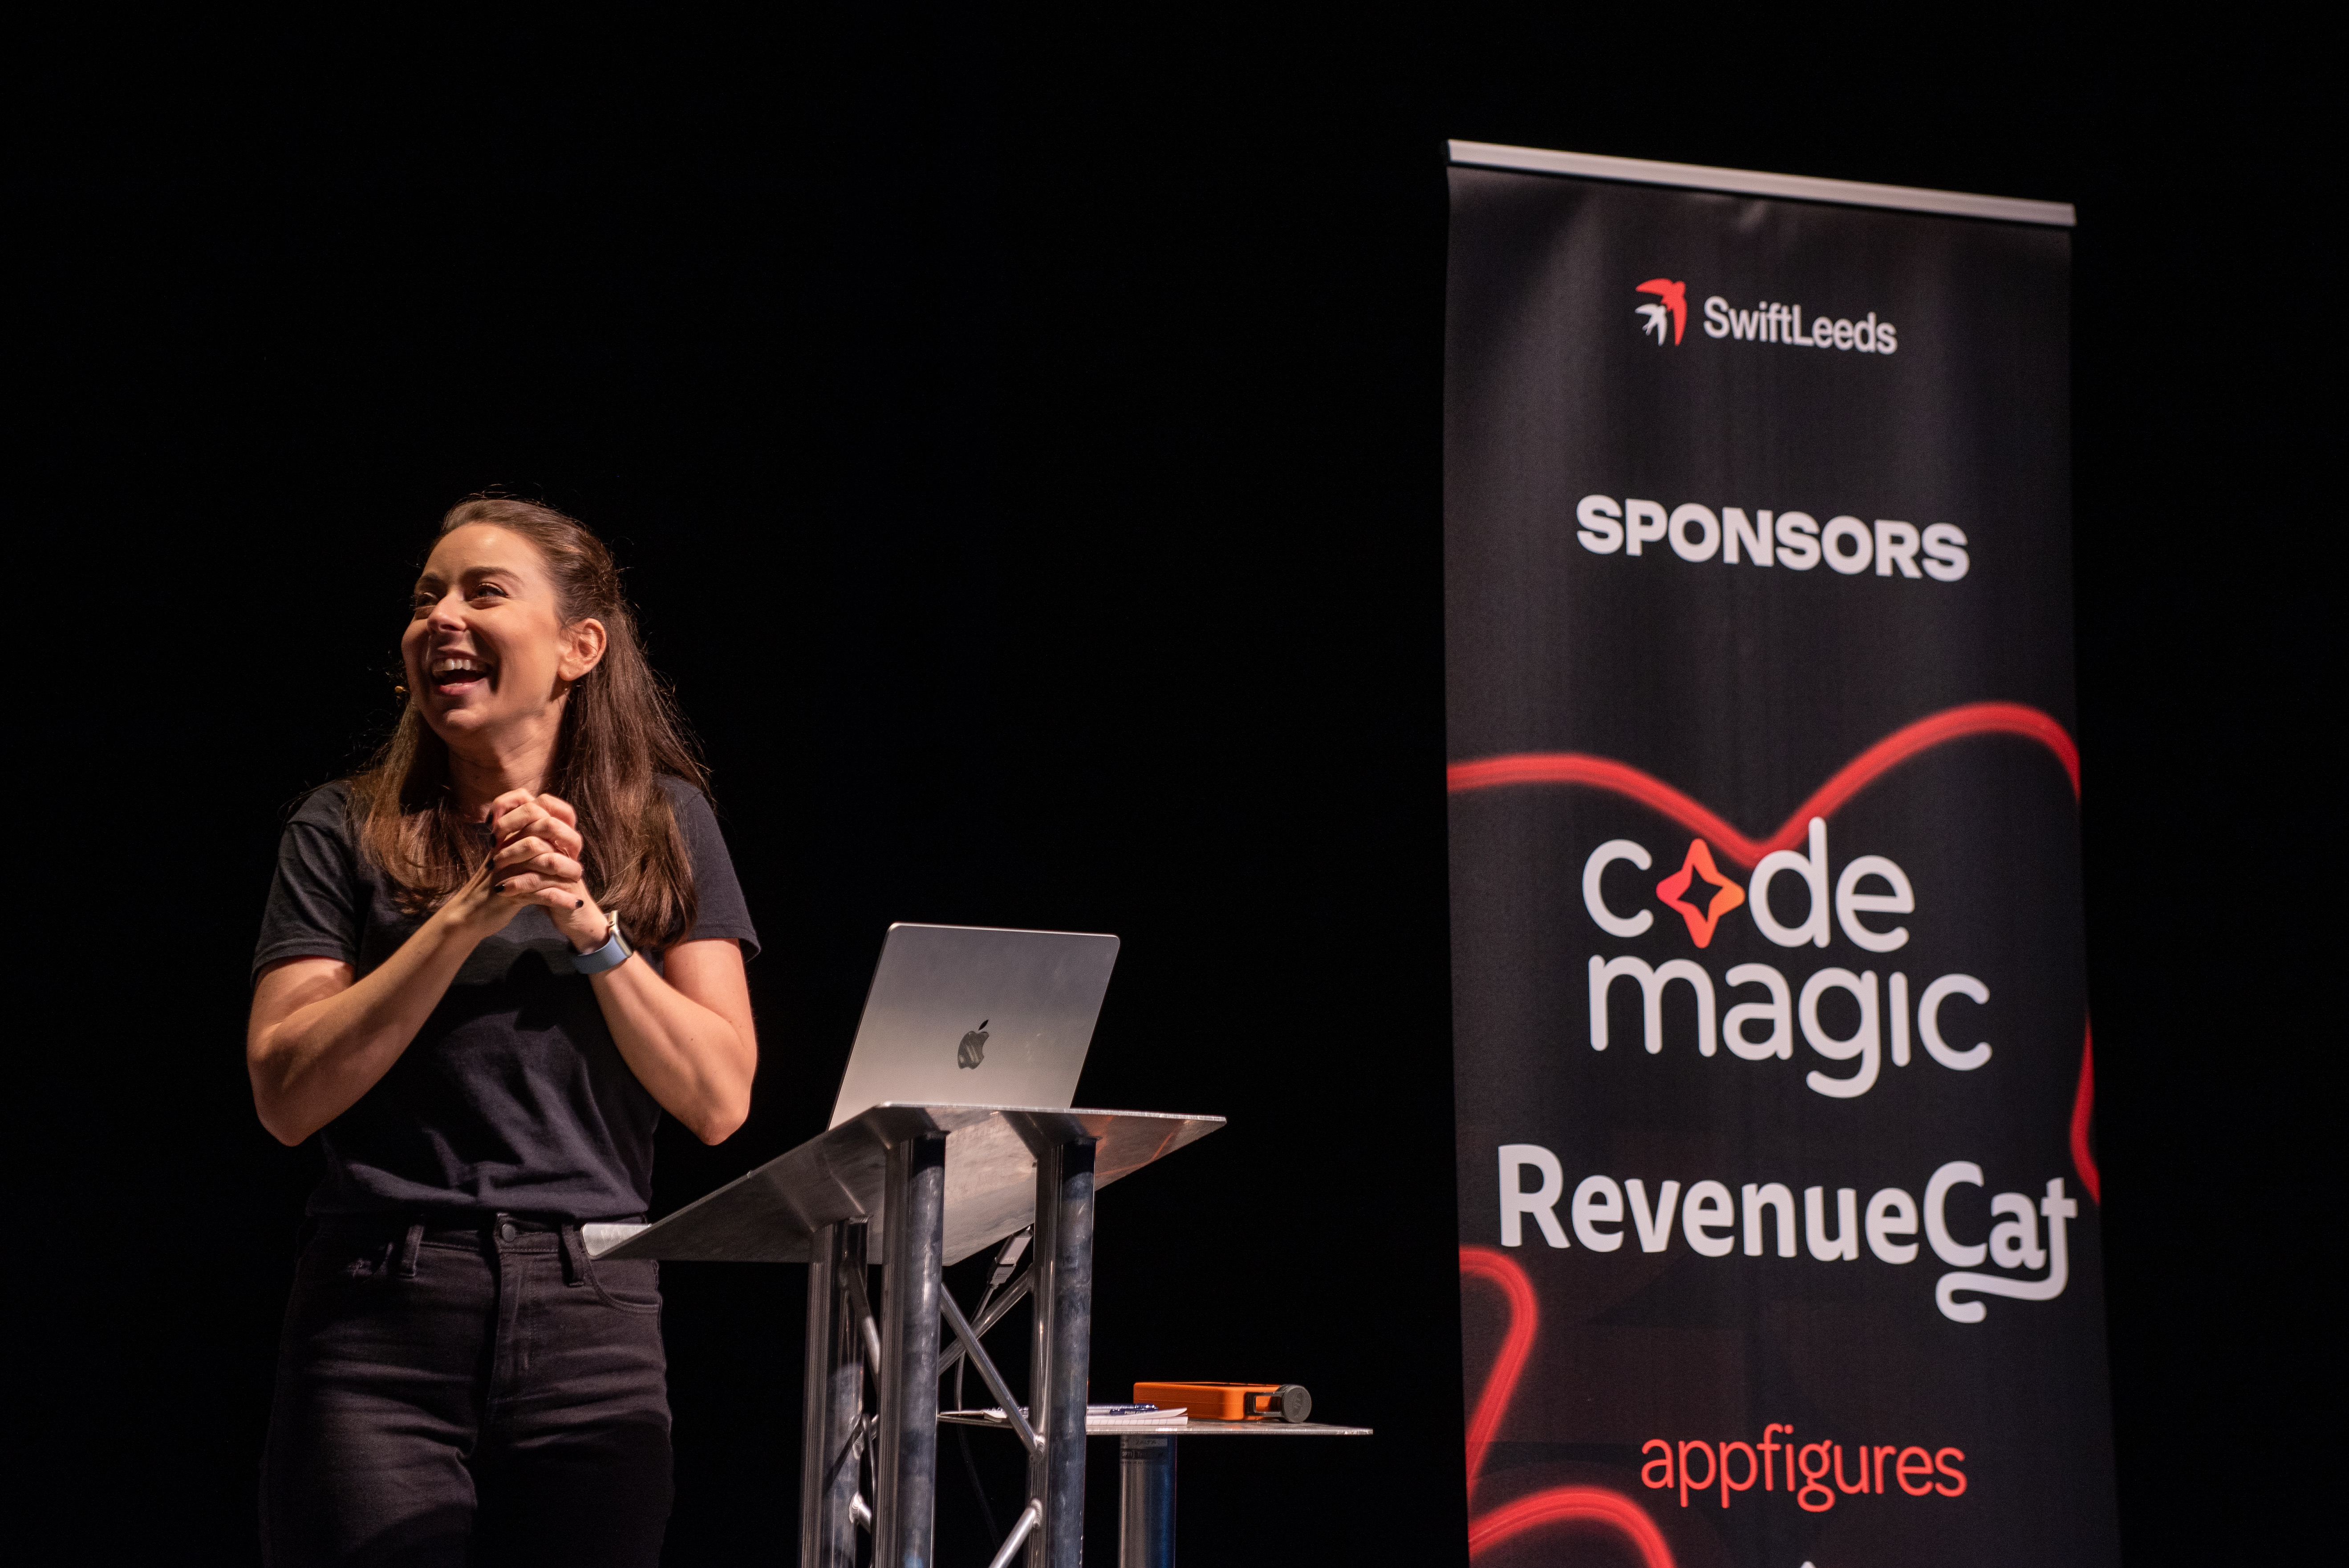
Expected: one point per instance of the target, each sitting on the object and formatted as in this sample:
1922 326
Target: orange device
1229 1401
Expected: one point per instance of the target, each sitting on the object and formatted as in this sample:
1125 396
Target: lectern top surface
769 1214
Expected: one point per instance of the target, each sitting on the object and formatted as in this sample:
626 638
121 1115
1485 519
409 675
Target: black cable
970 1468
962 1441
987 1296
1004 1261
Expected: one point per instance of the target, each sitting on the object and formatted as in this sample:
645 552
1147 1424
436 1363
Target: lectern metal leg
1145 1501
832 1402
1063 1349
914 1234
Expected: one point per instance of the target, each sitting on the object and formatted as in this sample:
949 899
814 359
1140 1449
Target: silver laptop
964 1015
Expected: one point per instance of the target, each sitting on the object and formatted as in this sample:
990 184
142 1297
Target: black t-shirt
512 1096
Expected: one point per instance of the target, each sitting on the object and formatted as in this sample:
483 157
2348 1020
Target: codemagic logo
1768 321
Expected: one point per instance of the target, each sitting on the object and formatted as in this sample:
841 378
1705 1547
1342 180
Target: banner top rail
1747 182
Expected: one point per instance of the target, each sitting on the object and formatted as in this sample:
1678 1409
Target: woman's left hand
537 861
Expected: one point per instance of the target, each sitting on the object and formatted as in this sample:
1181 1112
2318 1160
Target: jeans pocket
329 1260
630 1284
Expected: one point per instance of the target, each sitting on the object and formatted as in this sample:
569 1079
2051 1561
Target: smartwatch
611 955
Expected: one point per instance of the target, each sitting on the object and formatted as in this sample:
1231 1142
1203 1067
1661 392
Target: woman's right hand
320 1036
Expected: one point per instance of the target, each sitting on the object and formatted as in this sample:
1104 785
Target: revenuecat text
1804 1470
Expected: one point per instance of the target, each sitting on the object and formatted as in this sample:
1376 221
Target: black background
1025 434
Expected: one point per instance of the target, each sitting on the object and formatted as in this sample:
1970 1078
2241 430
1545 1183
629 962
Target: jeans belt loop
408 1248
574 1255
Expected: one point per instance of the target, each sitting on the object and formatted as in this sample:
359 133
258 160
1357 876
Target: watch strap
611 955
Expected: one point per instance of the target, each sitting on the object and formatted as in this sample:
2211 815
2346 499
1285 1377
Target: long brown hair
620 732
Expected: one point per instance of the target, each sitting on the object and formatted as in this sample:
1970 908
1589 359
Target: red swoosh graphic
1933 730
1558 1504
1573 1505
1605 773
1524 1320
2084 1109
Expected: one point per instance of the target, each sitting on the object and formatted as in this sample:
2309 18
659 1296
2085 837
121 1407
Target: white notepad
1101 1417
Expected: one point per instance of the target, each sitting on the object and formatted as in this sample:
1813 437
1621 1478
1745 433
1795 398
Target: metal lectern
922 1186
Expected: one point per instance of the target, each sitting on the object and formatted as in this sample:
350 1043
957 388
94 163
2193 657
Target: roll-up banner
1778 1196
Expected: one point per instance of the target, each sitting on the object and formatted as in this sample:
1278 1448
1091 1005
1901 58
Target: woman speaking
489 963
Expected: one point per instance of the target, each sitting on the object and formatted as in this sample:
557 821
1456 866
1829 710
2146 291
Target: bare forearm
313 1063
696 1062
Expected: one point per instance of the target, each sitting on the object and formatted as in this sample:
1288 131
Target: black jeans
454 1394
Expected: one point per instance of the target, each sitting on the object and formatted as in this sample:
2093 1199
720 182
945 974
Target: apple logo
973 1049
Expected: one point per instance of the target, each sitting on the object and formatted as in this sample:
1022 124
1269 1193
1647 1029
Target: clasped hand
537 861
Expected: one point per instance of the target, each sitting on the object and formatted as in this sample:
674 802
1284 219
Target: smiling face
488 653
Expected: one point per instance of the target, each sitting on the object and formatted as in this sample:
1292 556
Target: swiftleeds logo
1675 301
1768 321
